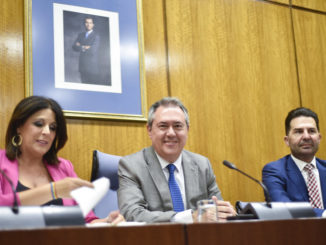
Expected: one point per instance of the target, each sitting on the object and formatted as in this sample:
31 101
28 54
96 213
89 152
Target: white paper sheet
87 197
125 223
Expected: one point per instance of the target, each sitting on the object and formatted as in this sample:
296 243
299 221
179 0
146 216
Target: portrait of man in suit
163 182
299 176
86 57
87 44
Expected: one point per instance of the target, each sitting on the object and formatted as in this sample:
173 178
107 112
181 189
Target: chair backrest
106 165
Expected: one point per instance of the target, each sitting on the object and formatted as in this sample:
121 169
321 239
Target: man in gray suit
145 193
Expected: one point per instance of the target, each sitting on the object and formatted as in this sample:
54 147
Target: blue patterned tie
175 190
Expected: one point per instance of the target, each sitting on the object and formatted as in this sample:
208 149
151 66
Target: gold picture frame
51 65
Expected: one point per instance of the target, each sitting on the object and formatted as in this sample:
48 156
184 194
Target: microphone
14 207
16 217
232 166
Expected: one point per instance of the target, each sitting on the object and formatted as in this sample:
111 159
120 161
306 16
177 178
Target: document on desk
125 223
87 197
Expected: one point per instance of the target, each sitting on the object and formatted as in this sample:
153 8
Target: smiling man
299 177
163 182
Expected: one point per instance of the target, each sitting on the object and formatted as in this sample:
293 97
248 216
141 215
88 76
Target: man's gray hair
166 102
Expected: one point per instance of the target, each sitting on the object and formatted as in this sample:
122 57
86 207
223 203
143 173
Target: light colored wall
238 65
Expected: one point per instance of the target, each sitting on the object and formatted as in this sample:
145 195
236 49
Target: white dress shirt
184 216
87 33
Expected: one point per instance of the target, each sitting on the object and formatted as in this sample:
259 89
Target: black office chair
106 165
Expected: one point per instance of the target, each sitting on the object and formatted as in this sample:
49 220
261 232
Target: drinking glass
207 211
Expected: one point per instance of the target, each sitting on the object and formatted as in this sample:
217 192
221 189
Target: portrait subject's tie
313 190
175 190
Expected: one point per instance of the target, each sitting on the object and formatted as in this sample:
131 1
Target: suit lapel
158 177
91 35
296 178
322 176
190 171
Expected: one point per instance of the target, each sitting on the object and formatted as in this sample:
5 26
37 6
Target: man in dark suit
87 43
148 186
299 177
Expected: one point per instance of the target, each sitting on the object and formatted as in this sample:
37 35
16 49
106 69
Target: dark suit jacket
88 59
144 193
285 182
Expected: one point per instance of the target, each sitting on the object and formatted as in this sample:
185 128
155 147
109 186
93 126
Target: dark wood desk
305 231
167 234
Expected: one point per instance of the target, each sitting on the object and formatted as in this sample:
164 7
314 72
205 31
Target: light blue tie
175 190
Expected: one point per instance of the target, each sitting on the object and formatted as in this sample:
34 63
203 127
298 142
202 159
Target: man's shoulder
194 155
134 155
93 35
193 158
280 163
137 156
321 161
81 34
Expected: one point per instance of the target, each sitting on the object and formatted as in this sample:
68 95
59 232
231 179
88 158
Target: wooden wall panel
11 61
310 36
319 5
118 138
155 50
232 63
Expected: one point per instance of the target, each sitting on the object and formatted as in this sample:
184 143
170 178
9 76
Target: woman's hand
65 186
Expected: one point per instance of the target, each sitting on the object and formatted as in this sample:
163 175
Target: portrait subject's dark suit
285 182
88 59
144 193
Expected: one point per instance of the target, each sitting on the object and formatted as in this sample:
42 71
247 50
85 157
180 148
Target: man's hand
225 209
115 217
195 216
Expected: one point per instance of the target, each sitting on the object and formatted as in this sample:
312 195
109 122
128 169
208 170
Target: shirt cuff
183 217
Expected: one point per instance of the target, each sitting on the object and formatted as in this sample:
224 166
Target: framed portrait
88 56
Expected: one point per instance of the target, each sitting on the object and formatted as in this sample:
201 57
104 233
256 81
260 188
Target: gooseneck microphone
23 217
14 207
232 166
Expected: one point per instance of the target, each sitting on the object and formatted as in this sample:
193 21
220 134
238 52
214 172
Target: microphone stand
14 207
275 210
232 166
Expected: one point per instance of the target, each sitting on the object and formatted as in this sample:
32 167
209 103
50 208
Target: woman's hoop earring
17 140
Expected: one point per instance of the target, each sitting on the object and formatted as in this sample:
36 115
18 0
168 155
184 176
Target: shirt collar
164 163
301 164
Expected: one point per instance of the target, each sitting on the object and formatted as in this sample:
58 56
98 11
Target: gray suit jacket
144 193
